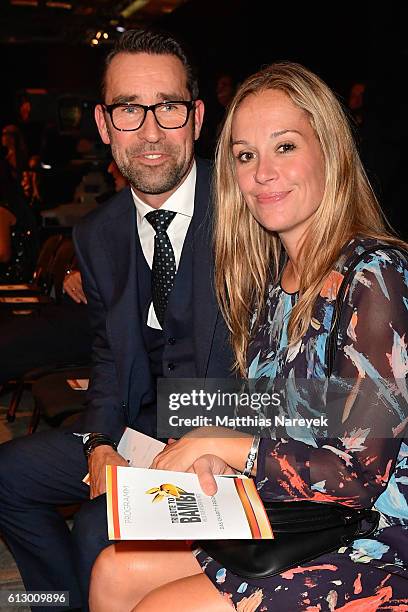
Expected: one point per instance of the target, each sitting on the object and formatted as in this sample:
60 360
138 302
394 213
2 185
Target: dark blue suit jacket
107 243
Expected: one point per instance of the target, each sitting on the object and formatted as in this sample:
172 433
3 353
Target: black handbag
306 529
302 530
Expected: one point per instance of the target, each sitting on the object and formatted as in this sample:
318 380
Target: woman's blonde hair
247 255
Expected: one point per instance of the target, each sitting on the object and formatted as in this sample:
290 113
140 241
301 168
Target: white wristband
252 455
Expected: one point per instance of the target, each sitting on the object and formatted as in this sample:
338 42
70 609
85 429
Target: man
143 328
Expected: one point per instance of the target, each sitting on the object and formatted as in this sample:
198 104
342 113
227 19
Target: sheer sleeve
354 467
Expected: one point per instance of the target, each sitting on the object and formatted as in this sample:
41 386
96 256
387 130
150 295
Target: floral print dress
367 463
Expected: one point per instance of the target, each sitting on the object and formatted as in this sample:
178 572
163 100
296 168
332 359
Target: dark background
342 42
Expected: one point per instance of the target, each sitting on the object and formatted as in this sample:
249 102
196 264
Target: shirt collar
181 201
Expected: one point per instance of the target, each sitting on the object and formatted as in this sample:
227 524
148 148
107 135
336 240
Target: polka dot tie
164 263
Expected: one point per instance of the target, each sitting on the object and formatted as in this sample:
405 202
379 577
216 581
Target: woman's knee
104 569
117 566
118 578
103 590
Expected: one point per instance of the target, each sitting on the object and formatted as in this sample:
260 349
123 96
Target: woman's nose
266 170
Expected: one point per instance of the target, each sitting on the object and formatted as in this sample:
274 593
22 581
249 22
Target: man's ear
101 123
198 118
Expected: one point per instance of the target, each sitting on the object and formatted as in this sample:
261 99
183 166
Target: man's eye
128 110
167 108
286 147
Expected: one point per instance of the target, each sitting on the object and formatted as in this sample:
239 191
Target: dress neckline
286 292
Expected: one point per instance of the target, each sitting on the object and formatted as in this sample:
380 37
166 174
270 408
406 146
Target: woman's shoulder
377 275
365 263
364 253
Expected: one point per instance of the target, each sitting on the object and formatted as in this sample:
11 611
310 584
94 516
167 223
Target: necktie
164 263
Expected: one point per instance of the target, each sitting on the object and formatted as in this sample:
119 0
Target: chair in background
41 279
36 293
61 262
55 400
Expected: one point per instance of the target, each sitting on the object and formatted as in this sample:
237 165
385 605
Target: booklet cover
145 504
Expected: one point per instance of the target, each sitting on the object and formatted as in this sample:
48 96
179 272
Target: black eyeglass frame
189 104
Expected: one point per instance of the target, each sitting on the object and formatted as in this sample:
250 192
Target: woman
293 208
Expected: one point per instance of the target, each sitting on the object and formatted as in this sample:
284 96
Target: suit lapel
205 310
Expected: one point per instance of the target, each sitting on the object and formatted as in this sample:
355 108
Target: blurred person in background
16 150
18 231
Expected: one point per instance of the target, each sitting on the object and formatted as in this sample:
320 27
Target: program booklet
144 504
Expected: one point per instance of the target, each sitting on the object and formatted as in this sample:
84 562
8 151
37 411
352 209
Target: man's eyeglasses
169 115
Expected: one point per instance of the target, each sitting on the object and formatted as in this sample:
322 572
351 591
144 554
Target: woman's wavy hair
247 256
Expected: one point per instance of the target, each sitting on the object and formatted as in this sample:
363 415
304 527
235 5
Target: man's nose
150 130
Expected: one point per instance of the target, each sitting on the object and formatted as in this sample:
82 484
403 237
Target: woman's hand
205 467
179 455
228 444
73 286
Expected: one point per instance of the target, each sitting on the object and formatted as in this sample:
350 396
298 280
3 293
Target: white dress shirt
181 202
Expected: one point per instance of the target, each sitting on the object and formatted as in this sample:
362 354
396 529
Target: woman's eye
286 147
245 156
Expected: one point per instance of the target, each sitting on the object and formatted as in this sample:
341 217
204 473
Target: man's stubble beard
153 180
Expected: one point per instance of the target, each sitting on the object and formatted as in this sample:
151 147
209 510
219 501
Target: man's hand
205 467
100 457
73 286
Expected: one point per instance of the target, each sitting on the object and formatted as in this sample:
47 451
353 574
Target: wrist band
252 455
91 441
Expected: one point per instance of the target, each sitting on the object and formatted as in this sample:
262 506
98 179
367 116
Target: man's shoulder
204 169
121 203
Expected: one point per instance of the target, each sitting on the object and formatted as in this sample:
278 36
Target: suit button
171 366
171 340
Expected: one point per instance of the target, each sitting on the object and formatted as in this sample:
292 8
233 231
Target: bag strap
332 340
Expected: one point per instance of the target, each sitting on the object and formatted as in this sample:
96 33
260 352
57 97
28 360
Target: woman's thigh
191 594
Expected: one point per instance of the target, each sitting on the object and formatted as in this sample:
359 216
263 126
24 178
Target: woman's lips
274 196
